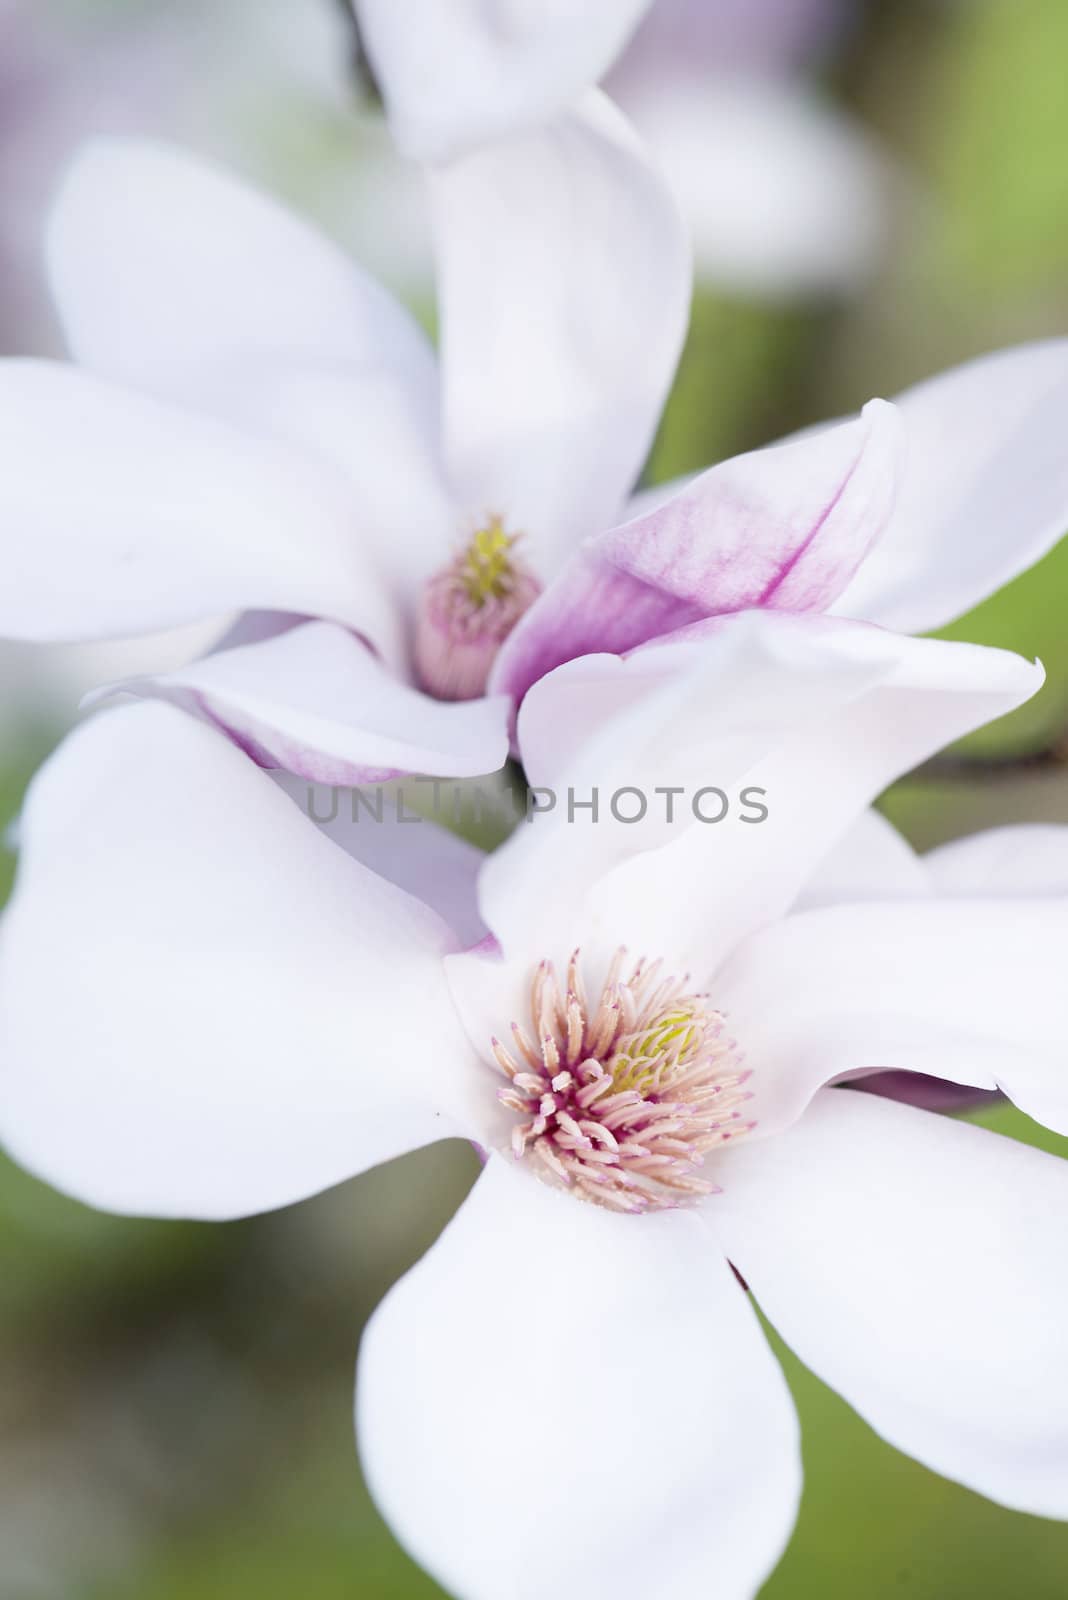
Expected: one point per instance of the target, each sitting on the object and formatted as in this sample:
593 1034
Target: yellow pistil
468 609
637 1057
485 567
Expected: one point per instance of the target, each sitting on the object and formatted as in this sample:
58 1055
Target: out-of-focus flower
763 36
569 1397
784 194
259 85
279 442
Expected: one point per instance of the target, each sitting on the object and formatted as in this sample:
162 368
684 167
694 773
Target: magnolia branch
360 65
1051 757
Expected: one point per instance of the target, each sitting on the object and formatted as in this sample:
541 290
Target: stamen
468 610
626 1095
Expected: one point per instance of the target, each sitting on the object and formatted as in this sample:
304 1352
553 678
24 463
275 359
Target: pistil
468 610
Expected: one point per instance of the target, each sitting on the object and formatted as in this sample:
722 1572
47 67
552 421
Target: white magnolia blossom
261 428
217 1008
258 428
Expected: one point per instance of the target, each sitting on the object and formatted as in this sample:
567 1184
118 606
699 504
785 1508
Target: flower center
468 610
621 1100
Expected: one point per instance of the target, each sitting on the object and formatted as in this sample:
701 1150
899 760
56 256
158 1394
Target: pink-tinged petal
475 71
818 715
985 489
122 515
917 1266
968 990
784 528
382 828
252 627
192 274
560 1401
316 702
564 285
928 1094
1026 860
207 1008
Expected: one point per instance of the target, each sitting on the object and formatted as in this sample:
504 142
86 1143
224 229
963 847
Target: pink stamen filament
622 1100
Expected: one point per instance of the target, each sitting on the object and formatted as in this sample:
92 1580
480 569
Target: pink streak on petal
784 528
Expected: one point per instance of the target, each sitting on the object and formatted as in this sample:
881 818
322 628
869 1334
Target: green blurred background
175 1401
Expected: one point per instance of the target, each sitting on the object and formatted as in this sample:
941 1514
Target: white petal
121 515
168 272
875 862
969 990
211 294
870 862
682 716
1030 858
819 778
206 1008
985 489
317 702
559 1401
382 828
917 1266
819 717
474 70
368 427
564 287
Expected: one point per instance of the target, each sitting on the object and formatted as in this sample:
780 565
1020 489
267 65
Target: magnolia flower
783 193
261 429
571 1394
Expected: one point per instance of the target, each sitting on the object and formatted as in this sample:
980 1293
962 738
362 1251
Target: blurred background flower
876 191
788 196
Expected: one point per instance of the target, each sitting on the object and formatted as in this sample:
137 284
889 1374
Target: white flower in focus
571 1394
